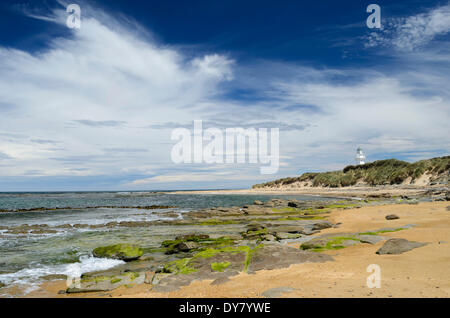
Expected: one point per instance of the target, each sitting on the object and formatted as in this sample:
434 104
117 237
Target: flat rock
287 236
277 292
398 246
293 229
282 256
370 239
339 240
105 283
321 225
201 269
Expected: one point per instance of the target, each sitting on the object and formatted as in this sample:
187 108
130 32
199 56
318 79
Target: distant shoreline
353 191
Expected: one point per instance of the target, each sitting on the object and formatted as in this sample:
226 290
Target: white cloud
96 88
414 31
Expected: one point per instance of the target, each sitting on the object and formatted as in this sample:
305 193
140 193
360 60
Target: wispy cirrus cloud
408 33
100 123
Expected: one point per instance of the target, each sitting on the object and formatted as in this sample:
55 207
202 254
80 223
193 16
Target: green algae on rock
220 266
125 252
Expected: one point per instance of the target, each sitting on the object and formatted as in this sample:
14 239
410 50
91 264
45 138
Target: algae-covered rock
334 242
190 242
187 246
105 283
125 252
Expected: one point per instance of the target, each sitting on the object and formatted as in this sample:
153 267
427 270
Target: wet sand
422 272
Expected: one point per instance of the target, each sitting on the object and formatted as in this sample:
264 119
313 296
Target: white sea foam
33 276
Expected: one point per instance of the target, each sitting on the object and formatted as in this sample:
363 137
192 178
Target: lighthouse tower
360 158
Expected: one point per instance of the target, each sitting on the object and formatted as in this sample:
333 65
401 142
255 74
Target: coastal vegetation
380 172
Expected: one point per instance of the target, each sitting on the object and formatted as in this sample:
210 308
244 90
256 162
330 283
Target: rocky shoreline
257 238
220 243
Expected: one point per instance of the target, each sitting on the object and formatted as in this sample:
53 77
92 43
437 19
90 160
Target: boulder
125 252
392 217
321 226
2 285
186 246
294 203
257 202
268 237
398 246
255 227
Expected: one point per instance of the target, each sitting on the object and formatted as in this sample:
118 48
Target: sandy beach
421 272
354 191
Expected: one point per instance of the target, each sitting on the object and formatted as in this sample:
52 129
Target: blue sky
93 109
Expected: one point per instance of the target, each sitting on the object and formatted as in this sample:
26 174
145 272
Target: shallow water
26 258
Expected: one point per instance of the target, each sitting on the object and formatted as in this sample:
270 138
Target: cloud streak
409 33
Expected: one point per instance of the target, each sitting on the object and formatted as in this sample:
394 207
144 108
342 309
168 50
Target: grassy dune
381 172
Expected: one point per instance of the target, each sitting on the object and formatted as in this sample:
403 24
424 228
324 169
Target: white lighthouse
360 158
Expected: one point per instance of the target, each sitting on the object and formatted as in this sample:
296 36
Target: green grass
380 172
